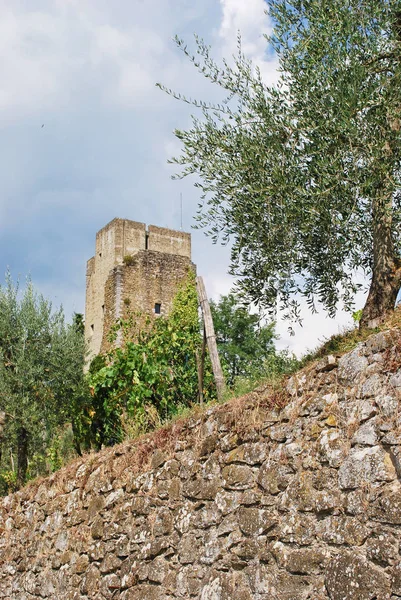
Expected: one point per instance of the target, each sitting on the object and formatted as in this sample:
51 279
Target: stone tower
136 267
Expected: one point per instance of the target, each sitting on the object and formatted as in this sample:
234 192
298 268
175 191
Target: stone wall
152 277
243 501
165 240
108 282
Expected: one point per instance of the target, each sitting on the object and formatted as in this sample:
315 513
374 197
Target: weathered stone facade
242 502
158 261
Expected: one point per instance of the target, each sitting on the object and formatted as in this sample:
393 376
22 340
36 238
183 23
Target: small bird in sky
43 125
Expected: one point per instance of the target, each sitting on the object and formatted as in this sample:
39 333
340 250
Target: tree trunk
22 467
386 272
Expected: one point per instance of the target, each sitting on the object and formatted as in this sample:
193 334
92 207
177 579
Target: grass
345 342
338 344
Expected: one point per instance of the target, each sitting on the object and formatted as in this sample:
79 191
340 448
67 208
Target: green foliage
41 379
128 260
338 344
347 340
61 450
8 481
246 346
152 375
78 323
304 176
97 363
357 315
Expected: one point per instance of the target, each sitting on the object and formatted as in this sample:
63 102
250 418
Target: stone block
237 477
349 576
255 521
353 365
328 363
306 561
274 477
382 548
365 466
366 434
250 454
387 507
332 447
340 530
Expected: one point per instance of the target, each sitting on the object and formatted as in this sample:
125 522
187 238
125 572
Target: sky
86 134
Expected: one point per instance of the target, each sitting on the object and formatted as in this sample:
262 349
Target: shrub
128 260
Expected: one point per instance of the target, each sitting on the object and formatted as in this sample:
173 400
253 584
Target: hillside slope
242 501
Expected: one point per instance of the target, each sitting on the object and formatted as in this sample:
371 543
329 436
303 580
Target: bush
128 260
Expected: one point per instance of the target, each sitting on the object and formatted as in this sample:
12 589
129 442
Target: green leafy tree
244 343
78 322
41 378
304 176
152 375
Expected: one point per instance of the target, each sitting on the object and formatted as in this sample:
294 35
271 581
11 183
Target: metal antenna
181 208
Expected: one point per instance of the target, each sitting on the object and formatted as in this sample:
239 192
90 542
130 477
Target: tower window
92 328
158 308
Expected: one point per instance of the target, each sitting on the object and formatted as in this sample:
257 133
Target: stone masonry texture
159 262
241 501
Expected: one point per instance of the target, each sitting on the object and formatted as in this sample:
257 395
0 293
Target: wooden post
200 362
210 338
200 377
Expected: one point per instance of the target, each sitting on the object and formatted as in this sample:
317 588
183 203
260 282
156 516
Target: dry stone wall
242 502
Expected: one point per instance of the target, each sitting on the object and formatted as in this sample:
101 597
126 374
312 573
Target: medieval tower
134 266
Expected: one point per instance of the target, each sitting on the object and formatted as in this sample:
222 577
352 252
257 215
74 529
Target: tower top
122 237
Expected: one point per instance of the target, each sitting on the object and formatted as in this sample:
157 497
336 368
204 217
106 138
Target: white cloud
61 52
65 52
250 19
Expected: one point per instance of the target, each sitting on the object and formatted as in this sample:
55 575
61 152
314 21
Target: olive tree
41 375
304 176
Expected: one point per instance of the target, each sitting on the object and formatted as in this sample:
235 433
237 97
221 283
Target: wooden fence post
200 363
210 339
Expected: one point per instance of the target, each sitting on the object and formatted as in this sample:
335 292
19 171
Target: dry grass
239 415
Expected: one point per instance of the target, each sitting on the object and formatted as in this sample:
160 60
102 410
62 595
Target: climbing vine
152 376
